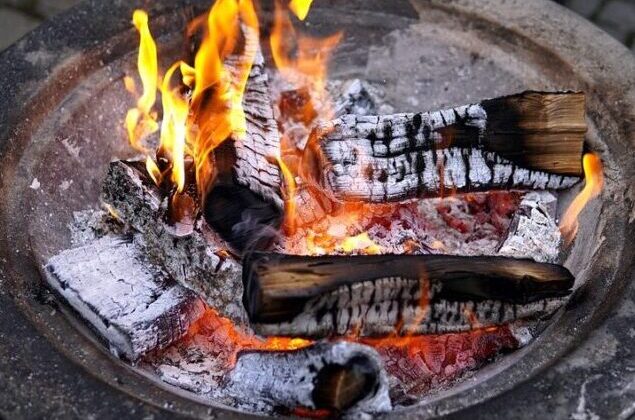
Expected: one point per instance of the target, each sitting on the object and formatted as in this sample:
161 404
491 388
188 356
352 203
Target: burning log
198 260
326 376
244 203
134 305
532 140
376 295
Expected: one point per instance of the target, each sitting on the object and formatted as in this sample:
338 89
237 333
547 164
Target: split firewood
133 304
337 377
378 295
198 260
244 203
533 232
532 141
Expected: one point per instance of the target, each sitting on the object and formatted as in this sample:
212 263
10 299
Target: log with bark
134 305
532 140
244 200
378 295
198 260
336 377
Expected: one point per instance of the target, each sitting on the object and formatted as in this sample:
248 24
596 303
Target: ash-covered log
133 304
336 377
198 260
377 295
532 140
244 203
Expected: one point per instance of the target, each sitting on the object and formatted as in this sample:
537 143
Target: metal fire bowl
61 120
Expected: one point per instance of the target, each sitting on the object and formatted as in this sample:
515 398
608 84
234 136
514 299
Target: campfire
288 243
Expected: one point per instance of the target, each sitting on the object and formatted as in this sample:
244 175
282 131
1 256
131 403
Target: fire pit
189 345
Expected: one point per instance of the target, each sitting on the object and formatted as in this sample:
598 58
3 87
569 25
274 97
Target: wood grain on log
528 141
198 260
133 304
376 295
244 199
332 376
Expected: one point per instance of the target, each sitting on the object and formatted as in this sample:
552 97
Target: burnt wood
532 140
244 200
133 304
198 260
336 377
376 295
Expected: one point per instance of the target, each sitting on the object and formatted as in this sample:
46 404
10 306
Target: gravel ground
18 17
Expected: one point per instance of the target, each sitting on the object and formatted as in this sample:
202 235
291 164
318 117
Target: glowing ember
211 324
594 180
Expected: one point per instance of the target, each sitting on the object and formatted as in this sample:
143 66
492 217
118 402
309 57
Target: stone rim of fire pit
600 65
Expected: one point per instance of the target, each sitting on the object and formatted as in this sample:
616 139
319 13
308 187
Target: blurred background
17 17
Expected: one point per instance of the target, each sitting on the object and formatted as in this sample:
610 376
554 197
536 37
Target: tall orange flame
216 107
214 112
300 8
174 127
594 181
141 121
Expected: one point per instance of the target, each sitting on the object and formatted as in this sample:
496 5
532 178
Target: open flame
196 122
594 181
303 61
141 120
300 8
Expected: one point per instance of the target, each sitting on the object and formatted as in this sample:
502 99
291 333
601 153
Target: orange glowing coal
594 181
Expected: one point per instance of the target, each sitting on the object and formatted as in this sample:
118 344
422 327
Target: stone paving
18 17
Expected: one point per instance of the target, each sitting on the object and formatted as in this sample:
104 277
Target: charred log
133 304
244 202
532 140
198 260
376 295
327 376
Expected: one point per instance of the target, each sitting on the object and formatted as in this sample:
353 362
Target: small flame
361 242
290 186
154 171
309 65
141 121
216 107
594 181
174 127
300 8
130 85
